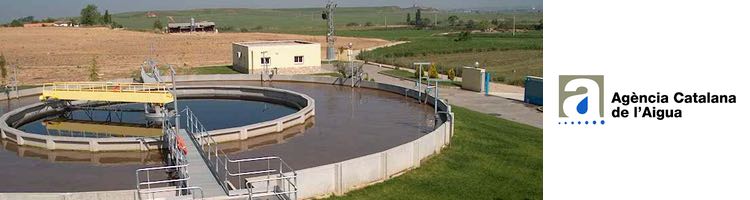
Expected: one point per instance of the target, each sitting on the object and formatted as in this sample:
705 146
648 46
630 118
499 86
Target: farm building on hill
286 56
191 27
38 25
63 23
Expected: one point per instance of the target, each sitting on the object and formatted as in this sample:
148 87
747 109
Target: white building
250 57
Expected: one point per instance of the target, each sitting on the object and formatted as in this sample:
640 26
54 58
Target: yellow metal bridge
114 129
112 92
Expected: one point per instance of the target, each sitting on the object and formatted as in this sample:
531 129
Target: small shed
250 57
191 27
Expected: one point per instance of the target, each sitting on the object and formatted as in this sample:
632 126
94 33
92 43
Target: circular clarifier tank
348 123
128 120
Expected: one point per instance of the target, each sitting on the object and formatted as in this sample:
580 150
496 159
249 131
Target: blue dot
566 122
593 122
587 122
602 122
579 122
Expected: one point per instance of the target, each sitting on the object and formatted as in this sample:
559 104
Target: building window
298 59
265 60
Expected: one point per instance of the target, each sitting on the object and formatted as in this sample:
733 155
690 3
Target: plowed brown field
64 54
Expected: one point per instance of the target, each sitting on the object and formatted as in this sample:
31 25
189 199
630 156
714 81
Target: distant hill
301 20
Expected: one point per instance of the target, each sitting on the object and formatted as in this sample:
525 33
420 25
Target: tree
483 25
114 24
408 18
432 71
451 74
27 19
539 26
452 20
471 24
106 19
418 17
94 70
417 71
426 22
463 36
16 23
90 15
157 24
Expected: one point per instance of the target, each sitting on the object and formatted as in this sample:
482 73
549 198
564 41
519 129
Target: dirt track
64 54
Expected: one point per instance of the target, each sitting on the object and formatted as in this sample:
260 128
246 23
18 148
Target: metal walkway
200 174
111 92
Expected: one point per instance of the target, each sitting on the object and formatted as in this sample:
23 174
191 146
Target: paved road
501 107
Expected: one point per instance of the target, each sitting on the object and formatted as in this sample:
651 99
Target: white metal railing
275 180
249 172
176 174
107 87
176 155
194 192
150 187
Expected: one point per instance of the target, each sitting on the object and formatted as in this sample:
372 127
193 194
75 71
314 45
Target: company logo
581 99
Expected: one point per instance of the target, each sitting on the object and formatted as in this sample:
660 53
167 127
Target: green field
508 57
489 158
305 20
403 74
222 69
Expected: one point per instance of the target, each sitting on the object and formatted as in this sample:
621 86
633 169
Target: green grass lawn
508 67
398 73
489 158
509 58
331 74
222 69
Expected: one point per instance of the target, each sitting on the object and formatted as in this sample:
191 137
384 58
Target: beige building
249 57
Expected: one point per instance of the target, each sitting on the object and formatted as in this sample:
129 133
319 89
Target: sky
11 9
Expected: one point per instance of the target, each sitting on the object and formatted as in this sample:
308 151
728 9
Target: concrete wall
103 195
32 112
240 58
282 56
472 79
340 177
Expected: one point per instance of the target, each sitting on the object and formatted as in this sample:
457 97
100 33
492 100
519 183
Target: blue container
533 91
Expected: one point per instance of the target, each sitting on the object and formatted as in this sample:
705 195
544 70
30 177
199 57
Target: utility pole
514 25
351 62
192 24
386 21
264 63
14 79
435 20
174 96
330 37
